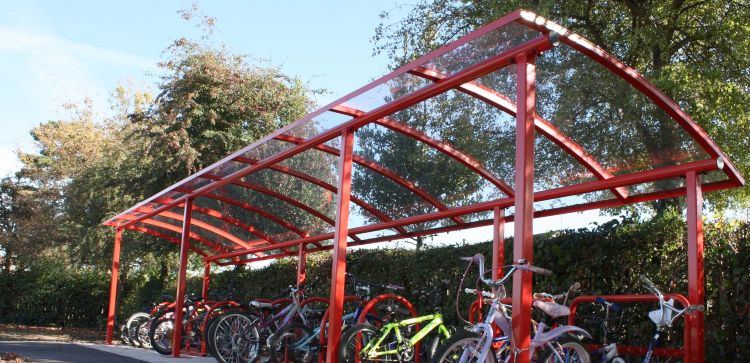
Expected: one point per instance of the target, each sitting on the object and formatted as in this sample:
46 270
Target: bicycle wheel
143 329
132 327
124 336
430 348
235 338
294 342
161 335
210 330
354 339
566 350
453 348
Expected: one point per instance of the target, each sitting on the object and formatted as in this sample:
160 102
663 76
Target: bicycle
663 318
243 336
300 342
476 345
162 325
609 325
368 343
129 330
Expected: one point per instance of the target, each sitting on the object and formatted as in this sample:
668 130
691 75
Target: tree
695 51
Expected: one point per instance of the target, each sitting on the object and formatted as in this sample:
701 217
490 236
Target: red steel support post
338 271
206 278
301 265
180 295
696 294
524 202
498 243
113 286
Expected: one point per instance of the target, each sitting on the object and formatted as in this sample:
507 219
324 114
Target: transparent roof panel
386 92
316 163
294 184
483 47
430 143
385 196
610 119
164 231
554 167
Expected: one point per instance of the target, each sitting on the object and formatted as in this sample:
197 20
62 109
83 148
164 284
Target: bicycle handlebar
574 288
376 284
534 269
484 293
650 284
522 265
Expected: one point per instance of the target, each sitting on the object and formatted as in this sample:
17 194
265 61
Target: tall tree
698 52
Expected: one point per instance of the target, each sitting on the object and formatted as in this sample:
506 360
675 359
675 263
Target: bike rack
637 298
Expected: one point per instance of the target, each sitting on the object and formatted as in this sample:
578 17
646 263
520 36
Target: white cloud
41 71
40 44
9 163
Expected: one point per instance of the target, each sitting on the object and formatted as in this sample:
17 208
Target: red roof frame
465 81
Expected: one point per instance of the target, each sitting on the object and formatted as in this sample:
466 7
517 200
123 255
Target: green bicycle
394 342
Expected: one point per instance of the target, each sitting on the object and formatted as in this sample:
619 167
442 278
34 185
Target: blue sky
55 52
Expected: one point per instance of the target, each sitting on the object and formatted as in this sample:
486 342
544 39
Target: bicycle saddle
552 309
261 305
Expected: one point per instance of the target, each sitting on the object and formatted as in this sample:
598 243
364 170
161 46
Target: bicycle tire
348 351
143 329
235 338
567 347
132 327
124 336
161 335
210 329
287 337
450 351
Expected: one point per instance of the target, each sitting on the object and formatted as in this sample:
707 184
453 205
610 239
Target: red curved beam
216 247
378 169
279 196
297 174
162 236
254 231
544 127
218 215
208 227
441 146
631 76
274 218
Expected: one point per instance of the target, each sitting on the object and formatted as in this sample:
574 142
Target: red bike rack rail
636 298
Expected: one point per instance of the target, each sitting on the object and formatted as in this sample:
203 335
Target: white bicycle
548 345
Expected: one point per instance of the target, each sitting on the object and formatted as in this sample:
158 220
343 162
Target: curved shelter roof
435 147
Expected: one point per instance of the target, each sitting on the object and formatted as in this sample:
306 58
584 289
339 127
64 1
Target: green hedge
606 260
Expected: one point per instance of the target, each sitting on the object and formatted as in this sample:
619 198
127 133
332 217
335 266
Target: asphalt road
54 352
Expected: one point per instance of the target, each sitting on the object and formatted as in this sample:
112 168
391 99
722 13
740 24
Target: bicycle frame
287 313
435 322
498 315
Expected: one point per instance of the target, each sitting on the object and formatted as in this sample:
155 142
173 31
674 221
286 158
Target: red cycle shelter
534 121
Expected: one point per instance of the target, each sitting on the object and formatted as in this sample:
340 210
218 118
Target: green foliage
697 52
52 294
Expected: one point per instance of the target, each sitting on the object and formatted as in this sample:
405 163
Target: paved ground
59 352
